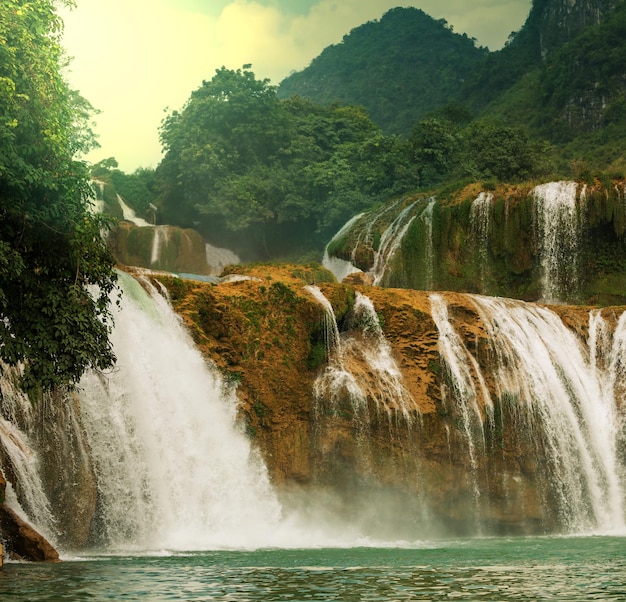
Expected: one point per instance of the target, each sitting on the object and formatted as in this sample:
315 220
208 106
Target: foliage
51 251
399 68
272 173
137 189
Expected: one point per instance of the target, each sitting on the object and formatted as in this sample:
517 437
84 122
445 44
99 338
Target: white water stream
174 470
558 230
360 367
567 392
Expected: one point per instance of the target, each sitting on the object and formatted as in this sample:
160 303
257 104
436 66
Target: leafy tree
504 152
241 163
433 147
51 251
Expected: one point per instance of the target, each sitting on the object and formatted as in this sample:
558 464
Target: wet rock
22 541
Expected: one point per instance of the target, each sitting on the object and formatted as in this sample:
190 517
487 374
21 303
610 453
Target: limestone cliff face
167 248
562 20
425 453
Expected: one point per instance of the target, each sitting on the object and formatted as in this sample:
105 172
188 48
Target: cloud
133 58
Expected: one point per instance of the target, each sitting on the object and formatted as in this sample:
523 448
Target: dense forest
51 248
401 104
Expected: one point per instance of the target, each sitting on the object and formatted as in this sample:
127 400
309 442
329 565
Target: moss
317 355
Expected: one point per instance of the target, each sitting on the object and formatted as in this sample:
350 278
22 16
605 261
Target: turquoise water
568 568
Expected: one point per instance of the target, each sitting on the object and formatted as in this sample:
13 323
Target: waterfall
340 267
426 218
160 238
173 468
460 391
564 396
97 202
129 215
558 231
390 241
17 449
360 368
479 216
218 258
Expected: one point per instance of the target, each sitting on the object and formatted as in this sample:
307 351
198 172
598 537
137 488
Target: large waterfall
172 467
563 394
518 425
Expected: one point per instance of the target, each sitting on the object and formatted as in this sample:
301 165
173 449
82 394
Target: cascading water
173 469
218 258
390 241
558 232
30 501
426 218
564 400
479 216
463 371
129 215
361 367
340 267
160 237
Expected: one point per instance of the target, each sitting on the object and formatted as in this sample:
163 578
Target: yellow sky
135 59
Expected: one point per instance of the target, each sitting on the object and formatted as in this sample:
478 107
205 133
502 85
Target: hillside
399 68
561 77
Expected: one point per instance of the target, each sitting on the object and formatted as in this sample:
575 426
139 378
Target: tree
506 153
56 273
240 162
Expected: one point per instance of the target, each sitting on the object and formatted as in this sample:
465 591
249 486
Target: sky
137 60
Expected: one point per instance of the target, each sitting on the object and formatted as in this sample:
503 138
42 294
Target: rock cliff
462 457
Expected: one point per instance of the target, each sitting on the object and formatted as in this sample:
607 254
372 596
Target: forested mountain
403 104
560 76
399 68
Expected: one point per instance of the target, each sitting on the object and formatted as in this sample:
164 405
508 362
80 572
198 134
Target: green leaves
56 273
240 160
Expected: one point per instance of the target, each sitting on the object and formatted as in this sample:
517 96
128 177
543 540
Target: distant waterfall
173 469
130 215
564 395
479 215
558 231
340 267
218 258
390 241
160 237
426 219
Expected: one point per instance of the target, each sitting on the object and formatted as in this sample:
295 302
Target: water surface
568 568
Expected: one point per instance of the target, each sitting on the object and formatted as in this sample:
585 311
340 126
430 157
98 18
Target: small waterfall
460 390
160 238
336 381
174 470
360 368
129 215
390 241
426 218
340 267
97 202
17 450
218 258
479 216
558 231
